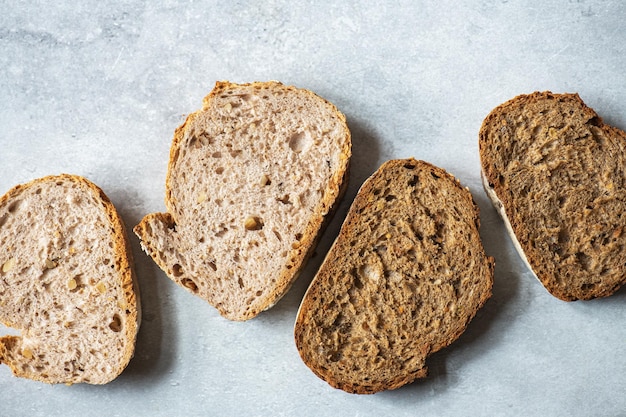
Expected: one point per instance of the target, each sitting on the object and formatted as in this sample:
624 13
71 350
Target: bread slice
402 280
66 283
252 177
555 171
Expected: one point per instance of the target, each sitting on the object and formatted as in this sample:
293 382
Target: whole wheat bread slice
555 172
402 280
252 177
66 283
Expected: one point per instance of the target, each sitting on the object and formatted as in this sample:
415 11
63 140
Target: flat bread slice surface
252 179
556 173
66 283
403 279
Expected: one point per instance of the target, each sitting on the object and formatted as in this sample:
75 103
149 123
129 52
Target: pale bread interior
251 178
65 284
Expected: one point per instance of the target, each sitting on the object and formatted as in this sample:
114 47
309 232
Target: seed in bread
402 280
555 172
66 283
252 178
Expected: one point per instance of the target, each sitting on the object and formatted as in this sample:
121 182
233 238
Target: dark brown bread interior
558 173
403 279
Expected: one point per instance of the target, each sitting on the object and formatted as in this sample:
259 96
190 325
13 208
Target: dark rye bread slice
555 172
403 279
252 178
66 283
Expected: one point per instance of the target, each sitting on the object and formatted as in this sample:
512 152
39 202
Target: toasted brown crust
554 170
297 255
124 266
359 344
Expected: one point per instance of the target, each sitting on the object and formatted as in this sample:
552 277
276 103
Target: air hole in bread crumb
213 266
284 199
300 141
413 182
219 170
177 270
216 155
116 324
14 206
240 282
189 284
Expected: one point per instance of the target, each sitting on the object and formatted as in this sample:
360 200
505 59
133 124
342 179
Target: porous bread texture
251 180
403 279
555 171
66 283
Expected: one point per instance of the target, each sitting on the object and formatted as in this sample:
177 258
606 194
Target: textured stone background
97 88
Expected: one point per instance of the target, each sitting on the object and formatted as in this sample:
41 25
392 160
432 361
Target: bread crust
324 315
310 235
124 267
537 152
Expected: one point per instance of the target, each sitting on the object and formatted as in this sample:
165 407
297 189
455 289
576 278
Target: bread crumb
51 263
253 223
8 265
101 287
265 180
27 353
202 197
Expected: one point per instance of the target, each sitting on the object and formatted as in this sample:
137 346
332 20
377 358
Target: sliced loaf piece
252 178
402 280
66 283
555 172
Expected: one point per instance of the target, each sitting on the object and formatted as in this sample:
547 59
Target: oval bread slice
252 178
66 283
555 172
403 279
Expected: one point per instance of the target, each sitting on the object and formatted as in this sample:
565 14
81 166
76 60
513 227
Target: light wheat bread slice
402 280
66 283
555 172
252 178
